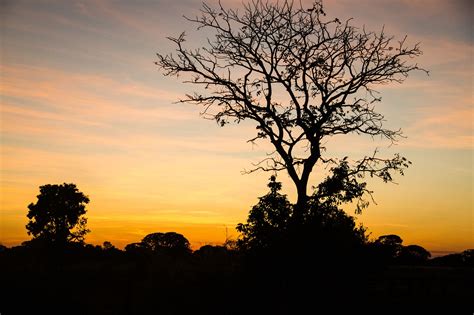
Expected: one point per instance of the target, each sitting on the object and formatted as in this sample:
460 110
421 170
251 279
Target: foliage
271 223
135 248
108 246
58 215
465 259
333 226
268 220
413 255
389 246
170 242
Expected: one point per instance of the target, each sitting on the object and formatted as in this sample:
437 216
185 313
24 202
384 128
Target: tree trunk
302 199
302 185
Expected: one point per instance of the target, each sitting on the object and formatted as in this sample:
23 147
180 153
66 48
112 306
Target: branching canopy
301 76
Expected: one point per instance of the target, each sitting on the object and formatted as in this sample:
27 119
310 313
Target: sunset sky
83 102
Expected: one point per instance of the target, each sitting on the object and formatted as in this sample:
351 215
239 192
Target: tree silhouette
389 246
170 242
267 221
413 255
323 224
108 246
341 186
58 215
301 77
135 248
466 258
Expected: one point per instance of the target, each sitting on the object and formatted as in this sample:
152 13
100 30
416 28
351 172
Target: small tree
268 220
413 255
169 242
58 215
301 77
108 246
389 246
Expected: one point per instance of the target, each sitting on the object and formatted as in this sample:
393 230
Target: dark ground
117 282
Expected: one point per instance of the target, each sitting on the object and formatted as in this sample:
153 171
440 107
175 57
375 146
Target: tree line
57 222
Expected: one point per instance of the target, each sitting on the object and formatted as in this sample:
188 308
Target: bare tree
300 76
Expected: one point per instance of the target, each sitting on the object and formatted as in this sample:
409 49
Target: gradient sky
82 102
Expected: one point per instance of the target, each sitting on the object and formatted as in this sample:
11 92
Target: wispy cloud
82 99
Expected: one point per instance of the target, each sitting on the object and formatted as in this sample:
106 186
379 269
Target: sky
82 102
